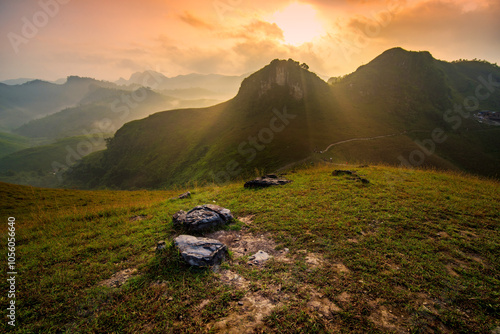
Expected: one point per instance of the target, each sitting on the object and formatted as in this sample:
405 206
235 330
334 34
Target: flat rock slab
200 252
202 218
266 181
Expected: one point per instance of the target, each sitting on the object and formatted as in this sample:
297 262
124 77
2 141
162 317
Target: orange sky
112 39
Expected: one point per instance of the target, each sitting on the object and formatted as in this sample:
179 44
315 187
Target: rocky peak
288 74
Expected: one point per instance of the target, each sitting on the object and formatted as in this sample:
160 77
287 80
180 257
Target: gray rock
178 218
200 252
160 245
185 195
266 181
259 257
202 218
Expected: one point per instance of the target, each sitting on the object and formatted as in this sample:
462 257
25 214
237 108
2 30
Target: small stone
240 303
160 245
259 257
185 195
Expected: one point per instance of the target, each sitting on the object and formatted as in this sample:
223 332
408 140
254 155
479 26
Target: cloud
257 29
447 24
194 21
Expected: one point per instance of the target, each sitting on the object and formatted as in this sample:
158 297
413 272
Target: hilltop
402 108
412 250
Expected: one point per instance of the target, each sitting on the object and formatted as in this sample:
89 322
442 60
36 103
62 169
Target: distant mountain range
403 108
21 81
36 112
23 100
190 86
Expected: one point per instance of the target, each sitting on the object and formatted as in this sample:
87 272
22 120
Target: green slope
405 94
10 143
418 94
412 252
290 108
43 165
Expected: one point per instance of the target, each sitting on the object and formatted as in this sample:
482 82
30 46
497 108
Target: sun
299 23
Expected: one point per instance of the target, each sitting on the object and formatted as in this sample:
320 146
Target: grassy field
413 251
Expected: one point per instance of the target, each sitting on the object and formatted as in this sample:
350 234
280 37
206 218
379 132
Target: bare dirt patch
243 243
232 278
450 271
344 297
202 305
119 278
159 284
443 235
469 235
383 317
314 260
138 218
340 268
478 259
248 316
247 220
319 303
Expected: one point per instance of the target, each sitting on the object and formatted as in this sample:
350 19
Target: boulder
202 218
200 252
266 181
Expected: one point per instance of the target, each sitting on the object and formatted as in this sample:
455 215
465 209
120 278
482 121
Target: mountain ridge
398 92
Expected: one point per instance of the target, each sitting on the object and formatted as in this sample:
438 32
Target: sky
51 39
